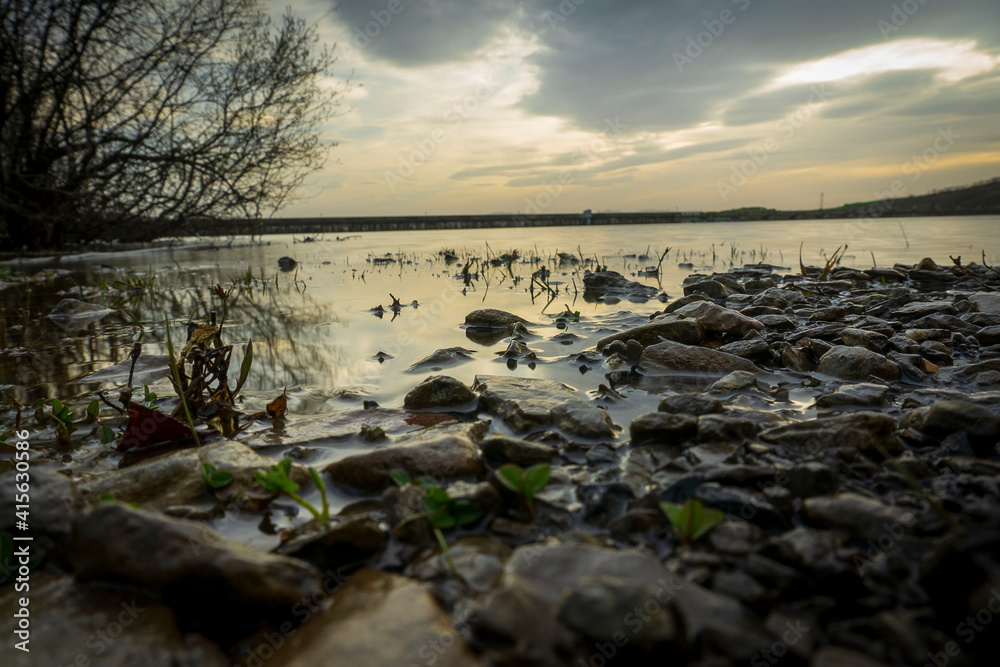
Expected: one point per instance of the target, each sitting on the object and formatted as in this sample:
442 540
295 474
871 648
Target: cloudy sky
485 106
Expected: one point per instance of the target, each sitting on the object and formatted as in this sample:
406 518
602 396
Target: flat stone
444 451
719 622
735 381
531 404
857 363
756 348
918 309
670 358
849 395
870 340
978 422
148 369
691 404
662 427
720 320
435 361
985 302
864 517
988 335
506 449
863 431
376 619
686 331
348 541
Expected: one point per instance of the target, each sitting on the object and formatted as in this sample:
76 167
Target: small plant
442 512
369 432
276 480
691 520
60 414
214 477
149 397
107 434
525 483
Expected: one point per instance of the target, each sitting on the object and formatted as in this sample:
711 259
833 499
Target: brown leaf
148 427
277 408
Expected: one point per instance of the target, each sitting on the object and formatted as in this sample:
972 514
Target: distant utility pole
821 201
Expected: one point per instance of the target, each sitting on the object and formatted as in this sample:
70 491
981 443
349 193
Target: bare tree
120 113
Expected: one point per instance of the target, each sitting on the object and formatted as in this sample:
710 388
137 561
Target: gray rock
670 358
175 478
796 358
721 623
135 628
73 315
529 404
943 418
677 304
184 560
478 558
719 320
377 619
776 322
735 538
862 431
443 451
435 361
691 404
662 427
865 517
857 363
811 479
735 381
831 314
850 395
713 289
743 504
988 335
491 318
348 541
53 499
918 309
687 331
505 449
985 302
755 348
439 391
599 283
870 340
723 428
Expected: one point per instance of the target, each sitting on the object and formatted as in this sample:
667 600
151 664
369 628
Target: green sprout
60 414
525 483
107 434
691 520
276 480
442 512
214 477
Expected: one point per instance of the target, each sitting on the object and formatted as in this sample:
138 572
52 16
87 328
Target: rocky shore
845 421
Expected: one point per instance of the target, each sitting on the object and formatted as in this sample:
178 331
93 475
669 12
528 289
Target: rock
719 320
662 427
73 315
862 431
735 381
86 624
344 424
175 478
742 503
988 335
450 356
287 264
811 479
479 559
444 451
505 449
776 322
685 331
831 314
187 563
710 288
348 541
517 350
755 348
530 404
719 623
796 358
850 395
148 369
865 517
491 318
839 656
723 428
869 340
979 423
691 404
377 619
918 309
53 498
677 304
599 283
985 302
519 621
439 391
670 358
857 363
735 538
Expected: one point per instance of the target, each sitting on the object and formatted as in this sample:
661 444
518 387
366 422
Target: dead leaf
148 427
201 337
277 408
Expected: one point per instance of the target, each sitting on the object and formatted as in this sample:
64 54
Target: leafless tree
136 115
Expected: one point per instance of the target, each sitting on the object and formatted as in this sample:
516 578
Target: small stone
869 340
691 404
439 391
849 395
662 427
506 449
865 517
735 381
669 358
720 320
857 363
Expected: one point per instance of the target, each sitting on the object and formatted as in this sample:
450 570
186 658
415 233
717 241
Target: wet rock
691 404
451 356
851 395
979 423
351 540
663 428
719 623
599 283
713 289
839 656
175 478
863 431
479 559
869 340
864 517
529 404
492 318
796 358
735 538
687 331
54 499
135 629
439 391
776 322
445 451
505 449
377 619
518 351
754 349
985 302
723 428
735 381
918 309
677 304
287 264
73 315
988 335
857 363
720 320
911 364
743 504
187 562
811 479
831 314
807 549
738 585
148 369
670 358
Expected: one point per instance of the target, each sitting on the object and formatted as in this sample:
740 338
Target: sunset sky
486 106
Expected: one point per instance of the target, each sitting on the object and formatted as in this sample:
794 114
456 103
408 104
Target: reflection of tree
290 344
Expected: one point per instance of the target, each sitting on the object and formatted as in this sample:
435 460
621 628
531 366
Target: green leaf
285 465
94 409
510 476
400 478
535 479
215 478
466 513
107 435
106 498
436 499
245 366
709 518
57 406
442 520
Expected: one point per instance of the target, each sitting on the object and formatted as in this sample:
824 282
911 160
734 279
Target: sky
528 106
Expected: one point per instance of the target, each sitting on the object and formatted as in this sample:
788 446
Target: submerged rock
492 318
148 369
529 404
599 283
435 361
73 315
445 451
688 331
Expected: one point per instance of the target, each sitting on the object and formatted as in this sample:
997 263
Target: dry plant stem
175 373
